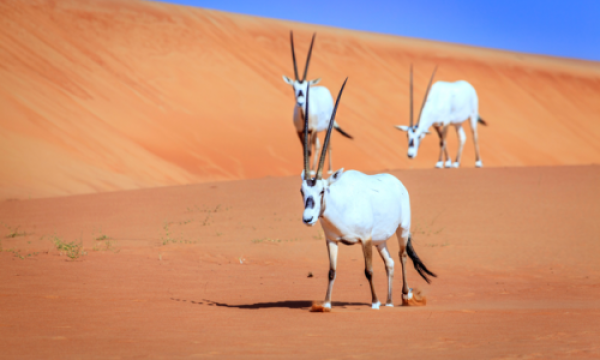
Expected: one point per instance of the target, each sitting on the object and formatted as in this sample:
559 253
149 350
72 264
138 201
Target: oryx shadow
288 304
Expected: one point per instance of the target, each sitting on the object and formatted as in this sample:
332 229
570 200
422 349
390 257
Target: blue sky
559 28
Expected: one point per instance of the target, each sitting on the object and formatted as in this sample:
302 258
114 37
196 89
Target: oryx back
450 103
361 206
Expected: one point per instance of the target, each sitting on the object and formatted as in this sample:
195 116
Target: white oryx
449 103
321 105
357 208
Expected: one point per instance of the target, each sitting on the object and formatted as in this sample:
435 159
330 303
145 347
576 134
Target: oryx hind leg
403 235
460 132
389 269
367 246
478 162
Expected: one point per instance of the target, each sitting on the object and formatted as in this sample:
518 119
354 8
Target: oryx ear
336 176
402 127
302 176
314 82
288 80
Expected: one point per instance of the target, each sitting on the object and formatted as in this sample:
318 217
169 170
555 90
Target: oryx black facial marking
310 203
411 143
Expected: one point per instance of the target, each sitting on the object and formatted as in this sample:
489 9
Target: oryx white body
320 107
447 104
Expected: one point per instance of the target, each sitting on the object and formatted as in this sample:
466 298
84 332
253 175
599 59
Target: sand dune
111 95
221 270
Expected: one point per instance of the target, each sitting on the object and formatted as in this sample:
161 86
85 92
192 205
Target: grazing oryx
357 208
321 105
449 103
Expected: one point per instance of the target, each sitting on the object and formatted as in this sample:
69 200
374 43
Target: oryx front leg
315 143
368 253
460 132
389 269
332 248
440 163
445 147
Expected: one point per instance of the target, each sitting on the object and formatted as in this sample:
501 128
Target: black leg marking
331 274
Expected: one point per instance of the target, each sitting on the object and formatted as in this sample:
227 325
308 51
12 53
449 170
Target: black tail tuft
339 129
481 121
419 266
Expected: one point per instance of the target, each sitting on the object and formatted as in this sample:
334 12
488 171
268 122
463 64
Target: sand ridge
111 95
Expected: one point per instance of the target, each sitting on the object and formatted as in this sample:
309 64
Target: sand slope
109 95
221 270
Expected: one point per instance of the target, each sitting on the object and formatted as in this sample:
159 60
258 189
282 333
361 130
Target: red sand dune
111 95
221 270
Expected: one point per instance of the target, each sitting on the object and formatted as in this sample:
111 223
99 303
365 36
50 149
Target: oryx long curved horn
306 143
294 54
426 93
411 95
308 56
328 136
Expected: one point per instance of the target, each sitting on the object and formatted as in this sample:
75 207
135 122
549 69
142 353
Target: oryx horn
427 92
411 95
308 57
328 136
306 157
293 54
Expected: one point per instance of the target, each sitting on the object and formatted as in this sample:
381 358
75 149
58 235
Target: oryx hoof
439 165
413 299
449 164
478 164
389 304
456 165
320 307
375 305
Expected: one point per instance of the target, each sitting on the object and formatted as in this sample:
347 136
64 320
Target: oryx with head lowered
355 208
448 103
321 105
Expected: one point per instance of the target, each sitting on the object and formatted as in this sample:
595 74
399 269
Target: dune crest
112 95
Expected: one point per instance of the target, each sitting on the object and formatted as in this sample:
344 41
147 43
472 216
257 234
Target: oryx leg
440 163
330 167
368 253
478 162
460 132
332 248
315 143
389 269
445 146
402 236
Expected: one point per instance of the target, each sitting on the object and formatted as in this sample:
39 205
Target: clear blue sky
567 28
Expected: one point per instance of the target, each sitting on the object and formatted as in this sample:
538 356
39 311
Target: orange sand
114 94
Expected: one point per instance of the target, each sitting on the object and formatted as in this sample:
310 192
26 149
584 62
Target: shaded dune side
109 95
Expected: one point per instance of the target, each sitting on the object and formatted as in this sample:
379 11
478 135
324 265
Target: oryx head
414 132
301 85
313 190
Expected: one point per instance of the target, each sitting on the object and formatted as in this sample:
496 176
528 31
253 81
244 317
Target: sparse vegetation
265 240
73 250
105 245
14 232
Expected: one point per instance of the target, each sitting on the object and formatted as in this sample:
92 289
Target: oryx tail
419 266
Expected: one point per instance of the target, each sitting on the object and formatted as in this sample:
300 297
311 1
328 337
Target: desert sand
114 95
150 206
221 270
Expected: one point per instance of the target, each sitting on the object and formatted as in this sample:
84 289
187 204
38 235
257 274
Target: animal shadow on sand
290 304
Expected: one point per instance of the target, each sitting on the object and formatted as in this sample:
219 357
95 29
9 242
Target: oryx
449 103
321 105
355 208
